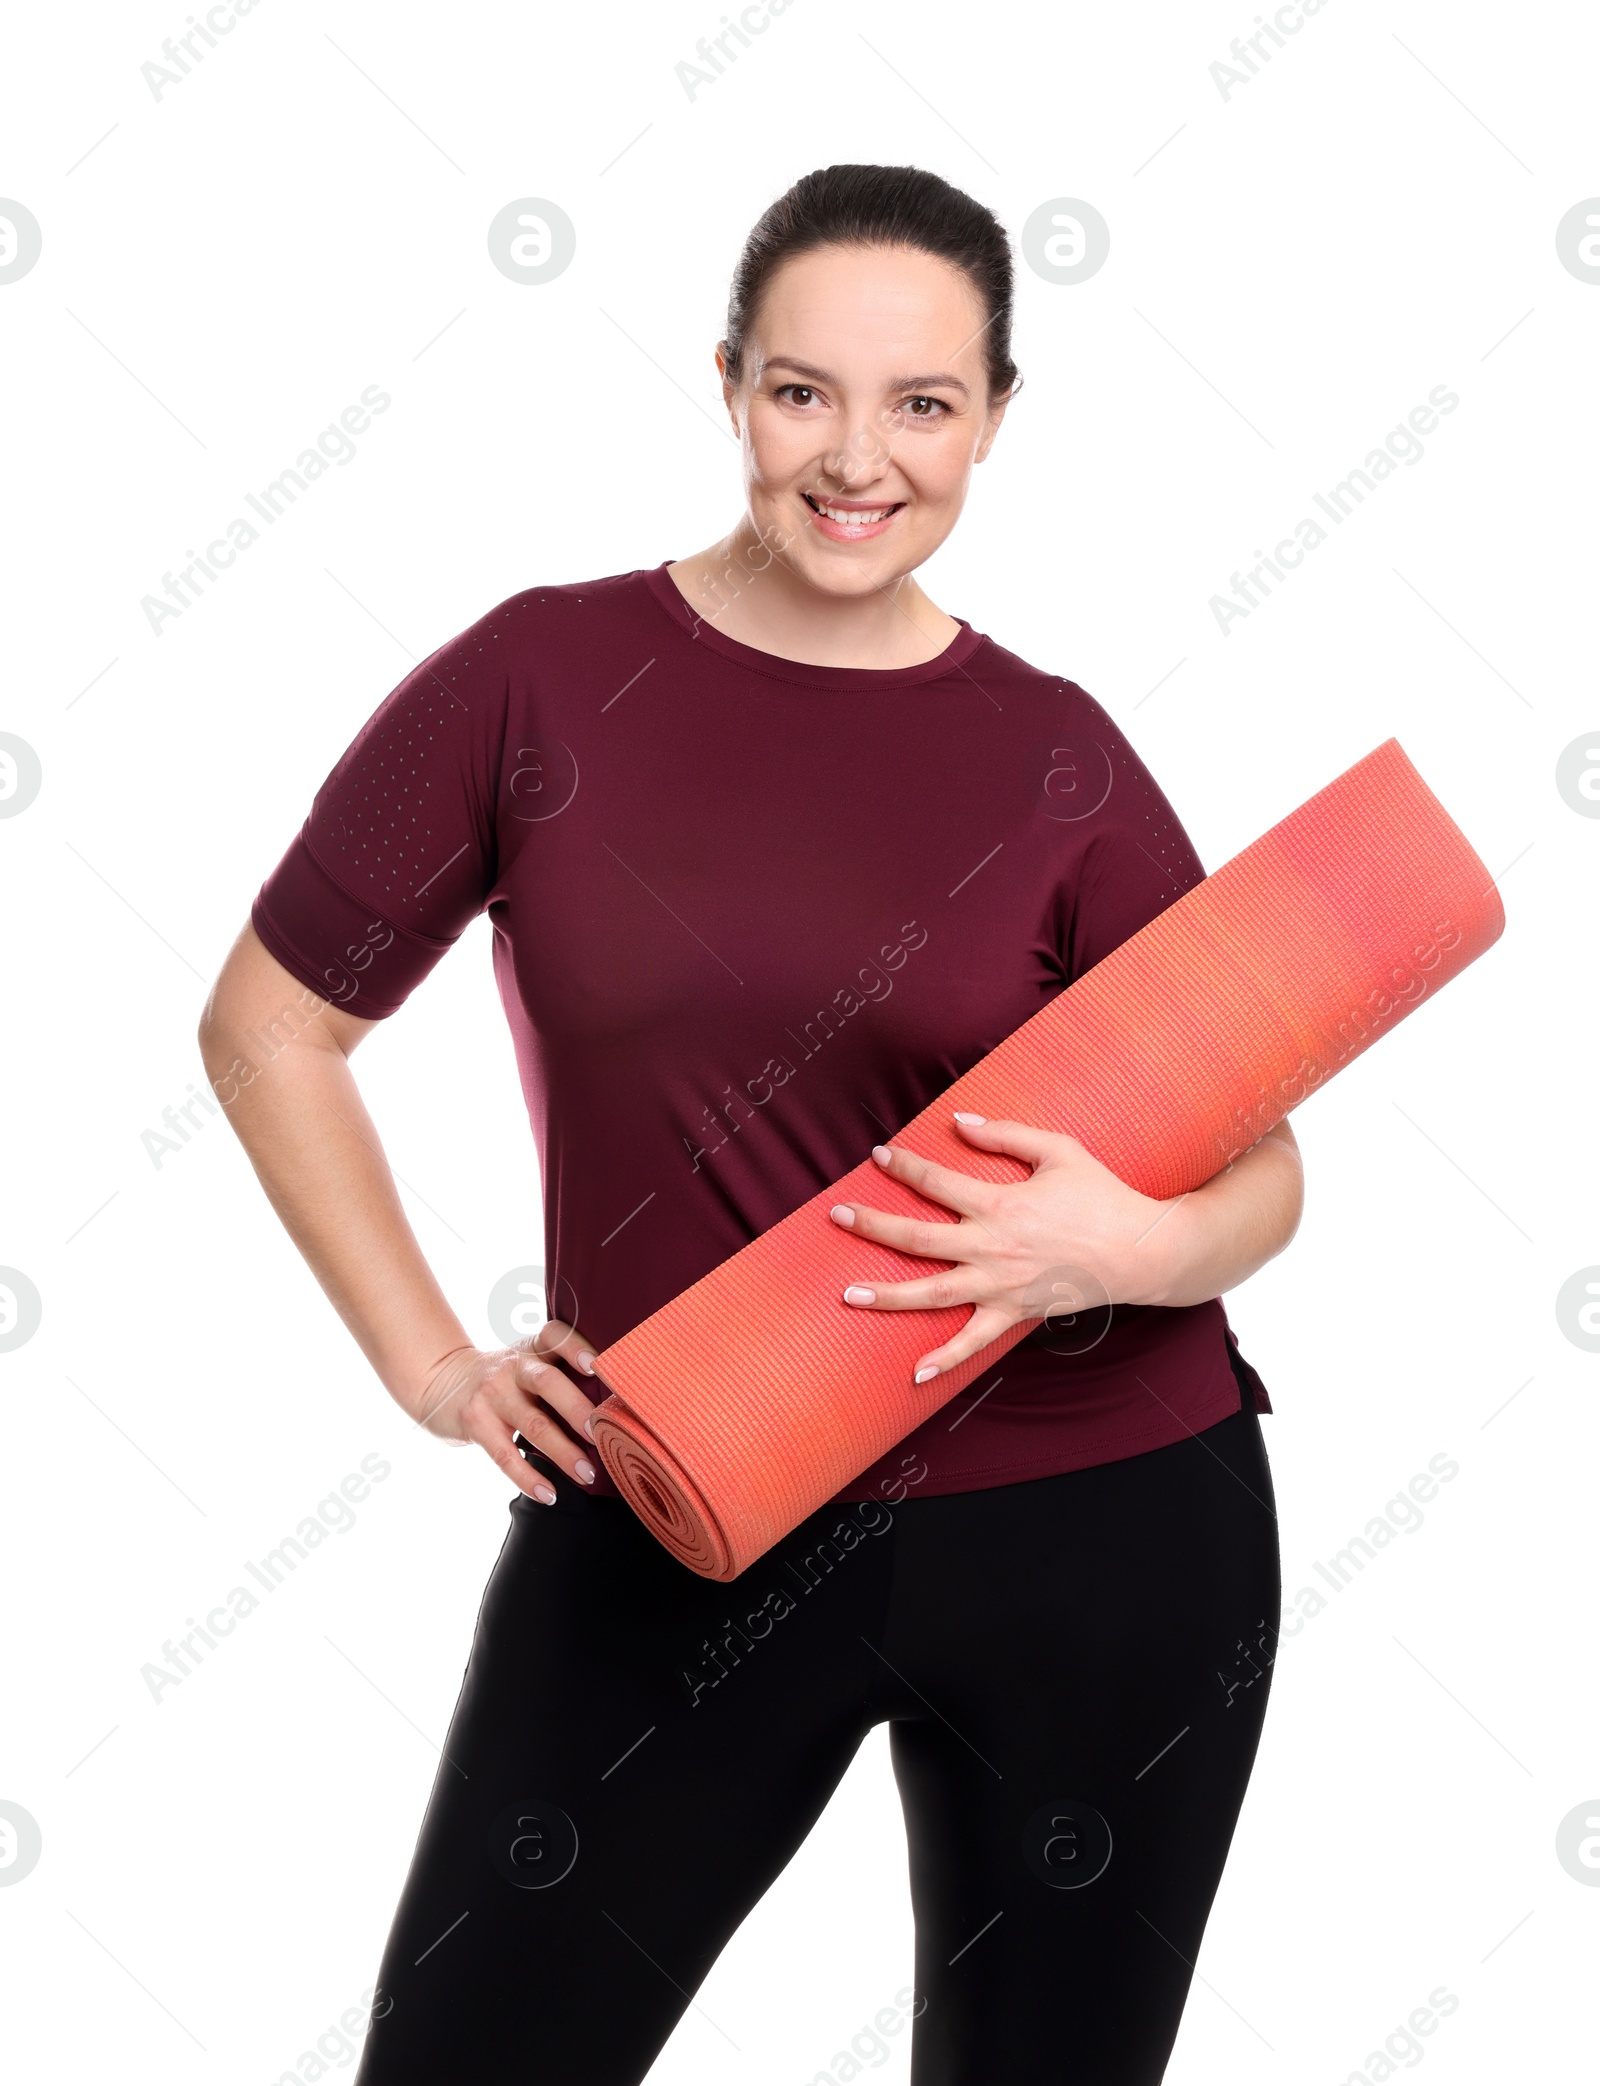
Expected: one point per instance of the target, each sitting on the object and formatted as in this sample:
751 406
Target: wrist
415 1374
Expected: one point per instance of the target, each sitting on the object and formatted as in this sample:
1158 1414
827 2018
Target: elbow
233 1006
1294 1189
212 1036
1297 1208
224 1021
218 1055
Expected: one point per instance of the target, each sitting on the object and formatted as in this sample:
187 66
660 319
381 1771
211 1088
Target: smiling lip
839 531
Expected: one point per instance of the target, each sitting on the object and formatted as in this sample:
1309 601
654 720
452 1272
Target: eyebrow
927 380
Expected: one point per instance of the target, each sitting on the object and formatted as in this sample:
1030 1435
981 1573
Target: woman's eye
796 391
936 402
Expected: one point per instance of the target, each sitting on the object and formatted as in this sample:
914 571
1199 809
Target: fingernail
963 1117
588 1428
585 1470
586 1361
882 1153
926 1373
841 1213
544 1492
855 1294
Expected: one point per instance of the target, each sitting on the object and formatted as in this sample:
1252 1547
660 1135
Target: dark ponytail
880 206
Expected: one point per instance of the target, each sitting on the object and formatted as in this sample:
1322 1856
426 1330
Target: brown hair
880 206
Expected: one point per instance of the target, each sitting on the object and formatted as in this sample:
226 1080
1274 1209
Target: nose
861 456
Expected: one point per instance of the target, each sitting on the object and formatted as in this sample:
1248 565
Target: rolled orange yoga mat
752 1398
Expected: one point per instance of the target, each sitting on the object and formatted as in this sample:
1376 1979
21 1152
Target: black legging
1073 1670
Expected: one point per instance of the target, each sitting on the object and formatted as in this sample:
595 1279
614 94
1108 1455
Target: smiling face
862 409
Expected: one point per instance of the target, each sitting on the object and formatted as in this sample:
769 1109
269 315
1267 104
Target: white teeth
855 520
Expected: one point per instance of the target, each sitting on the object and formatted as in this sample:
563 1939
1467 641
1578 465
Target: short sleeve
398 852
1136 860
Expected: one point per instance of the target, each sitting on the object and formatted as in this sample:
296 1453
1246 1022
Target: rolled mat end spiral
660 1492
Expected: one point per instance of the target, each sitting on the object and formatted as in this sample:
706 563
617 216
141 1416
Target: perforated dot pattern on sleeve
406 817
384 824
398 852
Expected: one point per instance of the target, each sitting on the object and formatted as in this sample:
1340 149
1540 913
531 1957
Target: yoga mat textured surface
750 1399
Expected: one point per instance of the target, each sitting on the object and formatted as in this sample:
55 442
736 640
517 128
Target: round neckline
773 664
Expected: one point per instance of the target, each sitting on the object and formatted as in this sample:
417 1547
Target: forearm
1215 1237
317 1154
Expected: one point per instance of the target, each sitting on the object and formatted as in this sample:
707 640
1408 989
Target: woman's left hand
1072 1237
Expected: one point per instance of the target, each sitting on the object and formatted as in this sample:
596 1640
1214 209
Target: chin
847 578
852 569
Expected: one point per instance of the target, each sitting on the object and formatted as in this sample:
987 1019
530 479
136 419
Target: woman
774 848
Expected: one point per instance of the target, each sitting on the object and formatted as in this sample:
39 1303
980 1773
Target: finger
517 1395
542 1379
559 1338
1017 1140
957 1191
987 1323
927 1293
493 1435
542 1432
934 1240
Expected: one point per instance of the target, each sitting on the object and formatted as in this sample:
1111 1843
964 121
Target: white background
1292 269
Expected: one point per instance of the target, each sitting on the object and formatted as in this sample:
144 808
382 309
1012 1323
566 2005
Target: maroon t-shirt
750 916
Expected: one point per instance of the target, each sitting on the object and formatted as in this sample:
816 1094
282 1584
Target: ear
729 388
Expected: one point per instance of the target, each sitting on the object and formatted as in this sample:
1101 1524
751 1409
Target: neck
757 597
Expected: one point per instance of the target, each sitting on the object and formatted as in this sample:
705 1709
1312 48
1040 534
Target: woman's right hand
486 1394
